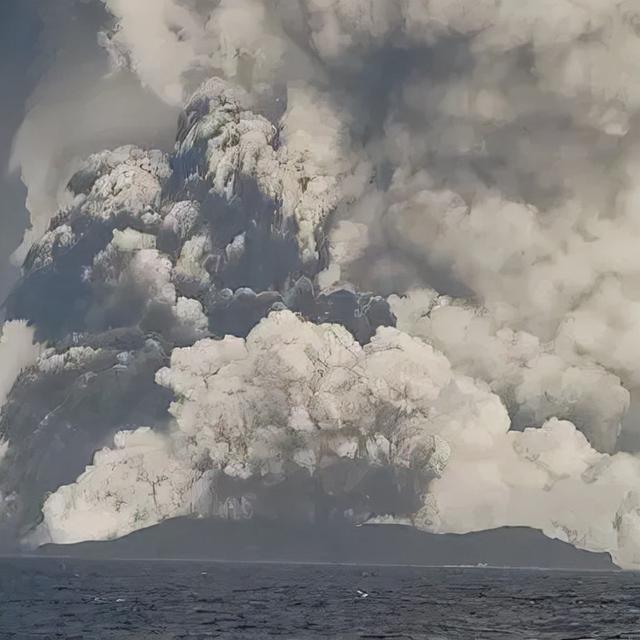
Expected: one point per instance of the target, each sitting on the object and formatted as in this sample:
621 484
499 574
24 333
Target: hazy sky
19 33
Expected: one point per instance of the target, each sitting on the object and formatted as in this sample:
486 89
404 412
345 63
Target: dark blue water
74 599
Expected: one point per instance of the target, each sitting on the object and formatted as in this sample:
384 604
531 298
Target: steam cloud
392 238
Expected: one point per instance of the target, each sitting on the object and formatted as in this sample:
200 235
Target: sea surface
77 599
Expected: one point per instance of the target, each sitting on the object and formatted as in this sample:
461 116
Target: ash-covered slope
267 541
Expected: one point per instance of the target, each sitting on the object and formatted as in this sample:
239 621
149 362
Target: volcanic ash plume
388 270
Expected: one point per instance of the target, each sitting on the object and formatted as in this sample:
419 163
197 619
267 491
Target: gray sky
19 33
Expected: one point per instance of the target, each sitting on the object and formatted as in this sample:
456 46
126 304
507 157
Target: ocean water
77 599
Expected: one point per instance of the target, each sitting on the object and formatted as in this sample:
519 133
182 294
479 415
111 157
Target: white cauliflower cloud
300 395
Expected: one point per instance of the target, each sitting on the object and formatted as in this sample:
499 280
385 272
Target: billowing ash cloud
80 106
389 270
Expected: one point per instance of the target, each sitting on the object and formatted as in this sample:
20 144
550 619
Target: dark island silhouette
269 541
